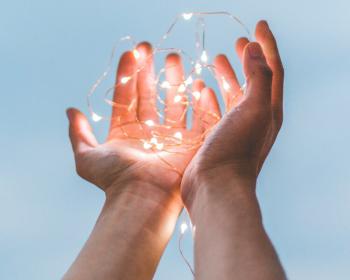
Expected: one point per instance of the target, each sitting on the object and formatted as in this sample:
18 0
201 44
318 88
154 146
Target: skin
141 206
218 185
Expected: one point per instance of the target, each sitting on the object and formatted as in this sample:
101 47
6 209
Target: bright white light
183 227
182 88
196 95
124 80
225 84
136 53
177 98
187 16
147 145
189 81
178 135
154 140
159 146
165 84
95 117
204 56
149 122
198 68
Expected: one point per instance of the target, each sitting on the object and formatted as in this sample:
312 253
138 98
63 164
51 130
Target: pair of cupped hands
235 148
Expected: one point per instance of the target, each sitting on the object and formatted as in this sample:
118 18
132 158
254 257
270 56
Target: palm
156 154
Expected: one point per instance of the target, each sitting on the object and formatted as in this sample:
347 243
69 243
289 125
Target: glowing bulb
182 88
165 84
154 141
187 16
183 227
178 135
204 56
149 122
177 98
198 68
124 80
147 146
159 146
189 81
225 84
95 117
136 53
196 95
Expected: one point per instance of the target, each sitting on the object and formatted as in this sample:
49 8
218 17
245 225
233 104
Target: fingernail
255 50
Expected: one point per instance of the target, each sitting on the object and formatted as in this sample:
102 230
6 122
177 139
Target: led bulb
165 84
189 81
177 98
198 68
178 135
147 145
183 227
124 80
154 141
159 146
95 117
149 122
204 57
182 88
136 53
196 95
187 16
225 84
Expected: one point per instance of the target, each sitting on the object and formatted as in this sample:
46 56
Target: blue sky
52 51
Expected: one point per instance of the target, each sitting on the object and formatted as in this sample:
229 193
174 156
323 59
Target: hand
121 163
237 147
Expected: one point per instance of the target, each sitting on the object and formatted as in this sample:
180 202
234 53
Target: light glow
178 135
136 53
225 84
187 16
198 68
196 95
204 57
124 80
95 117
149 123
165 84
177 98
183 227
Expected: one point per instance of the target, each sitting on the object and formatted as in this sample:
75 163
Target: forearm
230 240
128 238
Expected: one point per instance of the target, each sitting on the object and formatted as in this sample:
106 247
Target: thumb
258 74
80 131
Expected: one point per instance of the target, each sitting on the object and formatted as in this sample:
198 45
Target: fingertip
240 45
254 51
173 59
198 85
144 49
220 59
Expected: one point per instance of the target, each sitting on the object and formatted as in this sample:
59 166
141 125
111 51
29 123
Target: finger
80 132
227 80
268 43
125 94
210 109
175 108
147 108
197 87
240 45
258 75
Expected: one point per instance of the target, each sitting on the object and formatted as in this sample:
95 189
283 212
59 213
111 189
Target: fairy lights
155 136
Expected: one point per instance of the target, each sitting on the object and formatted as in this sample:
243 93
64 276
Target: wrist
216 184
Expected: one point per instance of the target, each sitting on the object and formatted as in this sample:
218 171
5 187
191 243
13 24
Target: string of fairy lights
160 137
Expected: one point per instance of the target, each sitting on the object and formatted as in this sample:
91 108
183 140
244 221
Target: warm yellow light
149 122
204 57
136 53
147 145
196 95
182 88
198 68
95 117
178 135
189 81
124 80
159 146
225 84
183 227
187 16
165 84
177 98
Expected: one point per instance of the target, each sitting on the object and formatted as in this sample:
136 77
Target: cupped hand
122 162
237 147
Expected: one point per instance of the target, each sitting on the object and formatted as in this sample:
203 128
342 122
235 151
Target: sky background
52 51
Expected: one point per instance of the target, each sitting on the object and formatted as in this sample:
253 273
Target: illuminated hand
237 147
122 162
